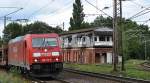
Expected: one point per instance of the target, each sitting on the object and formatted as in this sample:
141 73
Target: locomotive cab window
44 42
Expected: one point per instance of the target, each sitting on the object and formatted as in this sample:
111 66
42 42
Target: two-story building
88 46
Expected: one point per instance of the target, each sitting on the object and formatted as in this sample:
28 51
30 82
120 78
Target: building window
101 38
111 39
108 39
95 38
69 40
83 39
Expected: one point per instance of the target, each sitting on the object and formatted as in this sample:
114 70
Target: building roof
103 29
100 29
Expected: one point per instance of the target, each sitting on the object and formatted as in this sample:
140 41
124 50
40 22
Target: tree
40 27
11 31
1 41
133 33
37 28
78 16
100 21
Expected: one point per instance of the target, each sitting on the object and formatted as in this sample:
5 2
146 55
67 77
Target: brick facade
83 55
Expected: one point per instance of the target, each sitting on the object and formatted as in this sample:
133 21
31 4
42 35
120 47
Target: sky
55 12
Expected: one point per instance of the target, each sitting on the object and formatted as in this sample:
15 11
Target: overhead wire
12 12
138 14
26 4
61 10
137 4
67 5
135 15
39 9
54 11
8 7
146 22
98 8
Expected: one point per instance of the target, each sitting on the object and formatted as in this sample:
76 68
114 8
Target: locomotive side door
24 53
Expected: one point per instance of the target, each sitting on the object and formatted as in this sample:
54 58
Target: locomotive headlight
55 53
36 54
35 60
57 59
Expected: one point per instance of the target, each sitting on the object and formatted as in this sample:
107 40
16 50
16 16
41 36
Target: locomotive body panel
36 49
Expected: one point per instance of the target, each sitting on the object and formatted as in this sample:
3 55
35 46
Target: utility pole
5 16
5 21
145 49
117 32
63 25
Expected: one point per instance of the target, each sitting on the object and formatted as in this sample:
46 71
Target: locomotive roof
22 37
16 39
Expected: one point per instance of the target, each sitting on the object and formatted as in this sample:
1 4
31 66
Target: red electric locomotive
36 54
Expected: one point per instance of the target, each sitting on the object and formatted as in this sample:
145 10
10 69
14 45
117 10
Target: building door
97 58
104 58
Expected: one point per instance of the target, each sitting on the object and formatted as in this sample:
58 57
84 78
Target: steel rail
108 76
60 79
33 80
36 80
146 66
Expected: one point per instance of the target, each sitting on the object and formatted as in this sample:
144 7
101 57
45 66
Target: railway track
61 80
47 80
146 66
108 76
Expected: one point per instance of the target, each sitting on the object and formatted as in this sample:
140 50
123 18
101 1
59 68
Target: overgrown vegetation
11 77
132 69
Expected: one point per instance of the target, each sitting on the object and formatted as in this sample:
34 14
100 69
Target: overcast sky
55 12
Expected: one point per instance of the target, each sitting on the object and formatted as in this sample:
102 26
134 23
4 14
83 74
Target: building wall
87 55
78 55
88 47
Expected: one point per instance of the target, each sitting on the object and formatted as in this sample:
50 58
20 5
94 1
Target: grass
90 67
11 77
140 74
132 69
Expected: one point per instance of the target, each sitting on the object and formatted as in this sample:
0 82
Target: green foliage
76 22
11 31
100 21
85 25
9 77
103 68
133 35
1 41
40 27
132 69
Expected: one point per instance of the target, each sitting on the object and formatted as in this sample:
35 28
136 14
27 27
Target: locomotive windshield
44 42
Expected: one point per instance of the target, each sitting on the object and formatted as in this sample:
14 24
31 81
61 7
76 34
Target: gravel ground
70 77
77 78
53 81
